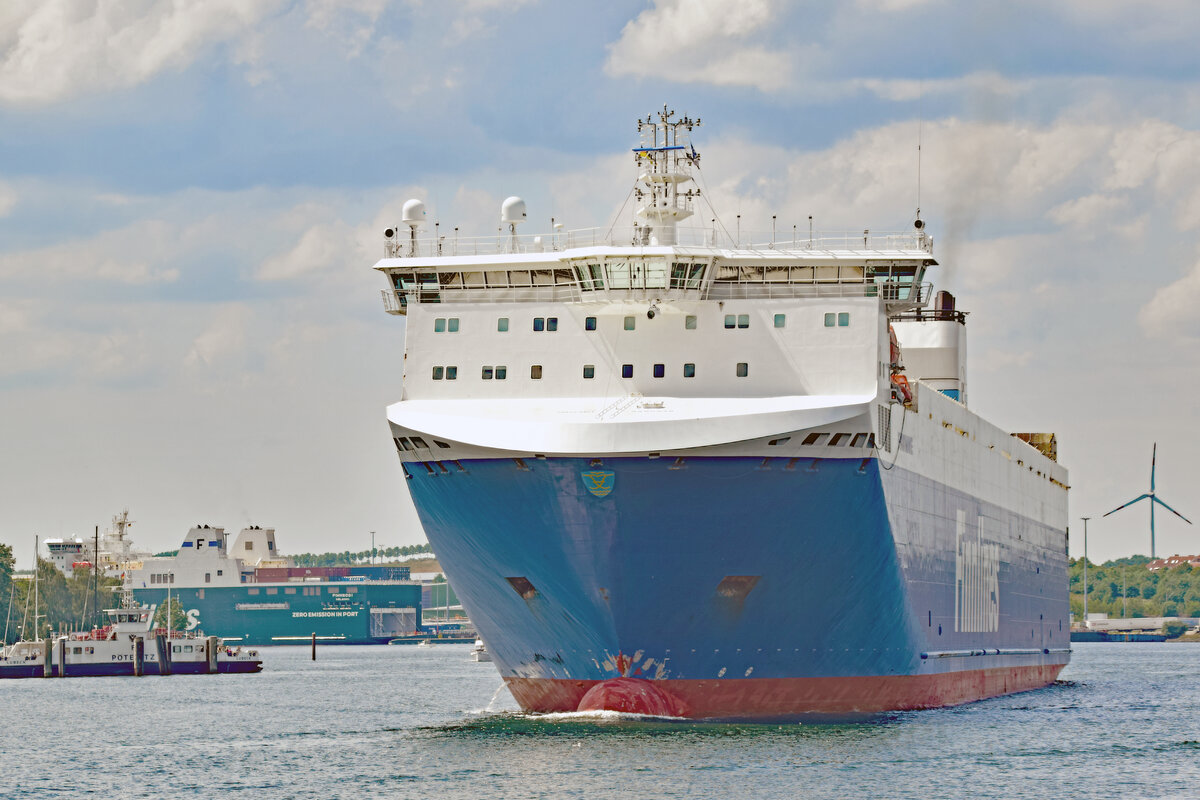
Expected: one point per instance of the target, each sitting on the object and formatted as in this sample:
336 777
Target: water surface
403 722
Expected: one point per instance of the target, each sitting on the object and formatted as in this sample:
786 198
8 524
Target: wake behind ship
683 472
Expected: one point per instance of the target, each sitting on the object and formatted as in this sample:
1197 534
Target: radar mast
666 158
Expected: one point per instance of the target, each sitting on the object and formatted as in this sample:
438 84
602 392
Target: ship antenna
919 224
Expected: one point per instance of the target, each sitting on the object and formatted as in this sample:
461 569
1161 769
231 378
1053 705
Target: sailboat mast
36 544
96 579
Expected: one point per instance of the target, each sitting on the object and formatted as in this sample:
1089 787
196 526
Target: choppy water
402 722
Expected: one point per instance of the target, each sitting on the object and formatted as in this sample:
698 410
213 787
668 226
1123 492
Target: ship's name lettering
122 657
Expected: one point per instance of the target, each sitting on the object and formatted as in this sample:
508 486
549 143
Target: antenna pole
1085 585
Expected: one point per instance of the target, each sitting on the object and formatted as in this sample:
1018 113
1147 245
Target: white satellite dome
512 210
413 213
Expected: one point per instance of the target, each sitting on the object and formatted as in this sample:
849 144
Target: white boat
127 645
479 652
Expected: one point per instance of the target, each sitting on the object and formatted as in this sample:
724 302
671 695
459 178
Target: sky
192 195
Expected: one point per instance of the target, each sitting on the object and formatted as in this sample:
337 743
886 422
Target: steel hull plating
745 587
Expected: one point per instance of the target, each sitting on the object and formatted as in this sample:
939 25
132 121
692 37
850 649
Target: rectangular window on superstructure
780 320
731 321
272 591
438 372
452 325
743 369
252 591
220 572
539 323
589 371
487 373
660 370
289 590
589 324
208 577
451 373
830 320
630 323
743 320
627 370
689 322
501 373
439 325
551 324
843 319
535 372
502 324
689 370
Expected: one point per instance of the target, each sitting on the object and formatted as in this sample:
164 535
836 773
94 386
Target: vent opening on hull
523 587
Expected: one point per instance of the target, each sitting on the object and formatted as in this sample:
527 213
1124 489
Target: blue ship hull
737 586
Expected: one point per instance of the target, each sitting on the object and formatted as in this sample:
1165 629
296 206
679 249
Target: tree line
347 558
1126 587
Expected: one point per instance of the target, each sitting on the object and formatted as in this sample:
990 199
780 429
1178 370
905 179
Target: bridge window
689 370
535 372
689 322
439 325
843 319
731 321
830 320
502 324
630 323
451 373
743 320
452 325
589 324
780 320
589 371
743 369
660 370
627 370
438 372
552 323
539 323
487 373
501 373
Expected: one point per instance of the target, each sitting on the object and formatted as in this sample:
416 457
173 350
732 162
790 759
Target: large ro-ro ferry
700 473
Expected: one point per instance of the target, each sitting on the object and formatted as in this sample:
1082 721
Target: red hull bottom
783 698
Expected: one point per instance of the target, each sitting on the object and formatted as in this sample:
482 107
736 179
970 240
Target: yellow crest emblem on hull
599 481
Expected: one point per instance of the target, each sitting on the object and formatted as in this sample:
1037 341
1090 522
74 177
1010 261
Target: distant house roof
1174 561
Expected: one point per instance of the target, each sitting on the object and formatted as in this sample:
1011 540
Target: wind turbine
1153 499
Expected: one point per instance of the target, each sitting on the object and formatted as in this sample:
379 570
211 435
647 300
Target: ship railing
789 241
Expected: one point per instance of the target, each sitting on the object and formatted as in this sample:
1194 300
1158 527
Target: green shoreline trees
1126 587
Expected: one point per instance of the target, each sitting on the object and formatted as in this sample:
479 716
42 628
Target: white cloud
321 247
702 41
51 50
223 341
139 253
1171 313
8 199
